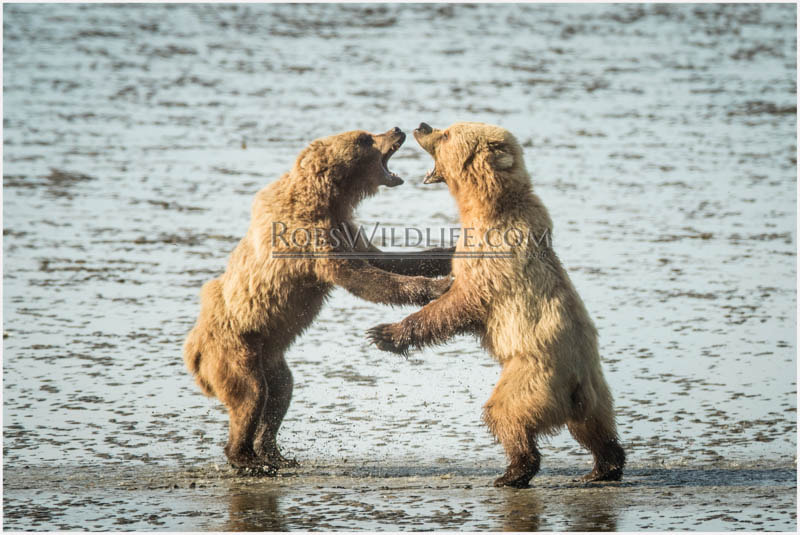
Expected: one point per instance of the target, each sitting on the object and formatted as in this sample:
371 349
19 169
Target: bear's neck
489 208
318 201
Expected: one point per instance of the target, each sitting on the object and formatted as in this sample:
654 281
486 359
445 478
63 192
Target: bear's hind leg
244 408
523 465
596 431
238 383
609 457
511 419
280 385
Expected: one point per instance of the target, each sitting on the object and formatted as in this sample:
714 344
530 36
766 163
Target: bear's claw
277 460
506 481
284 462
595 476
381 336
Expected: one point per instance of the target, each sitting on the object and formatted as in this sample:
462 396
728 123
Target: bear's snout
423 128
390 141
427 137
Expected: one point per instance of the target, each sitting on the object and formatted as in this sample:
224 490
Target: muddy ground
662 138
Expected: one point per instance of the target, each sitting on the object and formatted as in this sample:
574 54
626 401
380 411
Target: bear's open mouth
389 178
433 176
423 136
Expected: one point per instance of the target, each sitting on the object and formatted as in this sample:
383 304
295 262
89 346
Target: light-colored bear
512 291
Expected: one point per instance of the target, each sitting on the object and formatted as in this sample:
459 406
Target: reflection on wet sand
254 511
574 507
522 510
593 511
556 502
583 509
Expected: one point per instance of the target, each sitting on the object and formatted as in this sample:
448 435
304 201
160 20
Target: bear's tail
192 356
198 342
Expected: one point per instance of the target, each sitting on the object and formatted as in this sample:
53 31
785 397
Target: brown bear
511 290
278 277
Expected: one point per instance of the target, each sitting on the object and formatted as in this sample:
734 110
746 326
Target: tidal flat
662 139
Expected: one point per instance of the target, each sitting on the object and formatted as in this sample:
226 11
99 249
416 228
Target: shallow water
661 138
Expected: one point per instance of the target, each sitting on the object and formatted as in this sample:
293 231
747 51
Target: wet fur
251 314
525 310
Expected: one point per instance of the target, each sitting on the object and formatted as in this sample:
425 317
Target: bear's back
262 291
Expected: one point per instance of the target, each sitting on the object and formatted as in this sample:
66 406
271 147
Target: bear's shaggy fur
523 306
250 315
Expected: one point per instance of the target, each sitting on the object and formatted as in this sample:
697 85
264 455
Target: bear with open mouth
251 314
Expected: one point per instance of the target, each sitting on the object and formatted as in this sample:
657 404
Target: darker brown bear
251 314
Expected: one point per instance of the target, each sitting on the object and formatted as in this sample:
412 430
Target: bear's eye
365 140
446 136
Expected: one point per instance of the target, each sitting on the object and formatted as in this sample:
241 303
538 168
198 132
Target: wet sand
662 139
378 498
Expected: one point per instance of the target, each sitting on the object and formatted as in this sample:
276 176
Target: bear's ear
314 159
500 156
308 156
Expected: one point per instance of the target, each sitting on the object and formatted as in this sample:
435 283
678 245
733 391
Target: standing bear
512 291
280 274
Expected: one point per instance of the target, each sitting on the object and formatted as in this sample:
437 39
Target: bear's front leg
457 311
436 262
372 284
